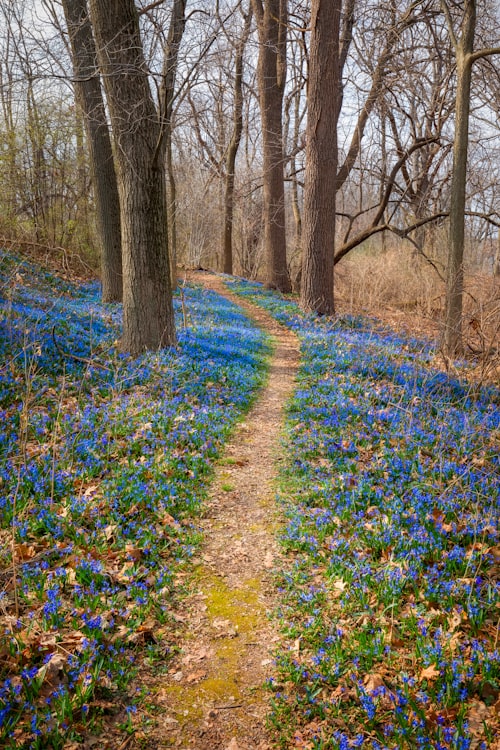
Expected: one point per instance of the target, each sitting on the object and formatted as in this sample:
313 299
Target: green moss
241 606
243 611
227 461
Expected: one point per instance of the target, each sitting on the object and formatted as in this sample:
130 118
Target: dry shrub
199 218
396 279
482 324
405 290
65 262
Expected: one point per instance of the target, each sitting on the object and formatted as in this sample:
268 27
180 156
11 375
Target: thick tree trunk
321 159
89 98
271 22
455 272
148 319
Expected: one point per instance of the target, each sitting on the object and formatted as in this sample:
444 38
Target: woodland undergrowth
390 598
389 601
104 464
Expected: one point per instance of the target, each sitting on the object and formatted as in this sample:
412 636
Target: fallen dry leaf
46 641
299 743
373 681
108 706
196 656
133 553
495 551
92 741
454 621
109 531
146 627
477 715
225 629
447 715
24 552
454 641
91 489
51 667
394 637
429 673
169 520
196 676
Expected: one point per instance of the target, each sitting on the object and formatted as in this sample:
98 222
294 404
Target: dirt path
212 697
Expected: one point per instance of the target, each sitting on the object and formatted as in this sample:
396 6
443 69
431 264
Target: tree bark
148 319
171 209
271 18
321 159
90 100
233 147
455 272
167 91
496 260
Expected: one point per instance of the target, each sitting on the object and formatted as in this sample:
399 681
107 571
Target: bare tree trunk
271 22
171 209
85 200
455 270
455 273
39 185
321 159
293 123
496 262
233 147
297 214
465 58
89 97
171 56
148 319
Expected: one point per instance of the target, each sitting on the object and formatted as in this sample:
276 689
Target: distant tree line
269 137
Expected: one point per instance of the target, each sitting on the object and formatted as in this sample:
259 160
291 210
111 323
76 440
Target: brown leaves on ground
429 673
483 719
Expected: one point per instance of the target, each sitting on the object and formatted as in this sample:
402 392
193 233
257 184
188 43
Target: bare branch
151 6
371 231
449 22
480 53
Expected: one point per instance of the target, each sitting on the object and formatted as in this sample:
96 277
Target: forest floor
213 696
216 546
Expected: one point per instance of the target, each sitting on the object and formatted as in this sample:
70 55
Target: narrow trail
212 698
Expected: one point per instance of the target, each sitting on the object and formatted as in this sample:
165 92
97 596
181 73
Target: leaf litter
226 627
397 500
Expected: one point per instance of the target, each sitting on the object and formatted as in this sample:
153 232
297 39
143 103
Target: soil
213 696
